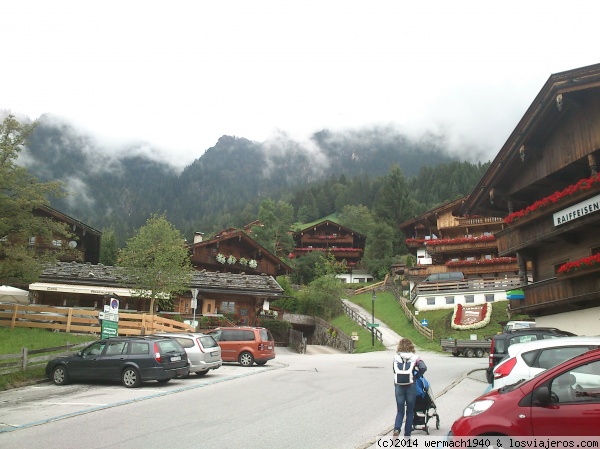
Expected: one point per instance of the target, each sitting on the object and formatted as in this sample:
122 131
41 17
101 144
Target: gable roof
326 223
426 216
233 233
73 273
538 121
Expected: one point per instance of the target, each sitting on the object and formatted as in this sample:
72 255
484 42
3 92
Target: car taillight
199 345
505 369
157 353
491 358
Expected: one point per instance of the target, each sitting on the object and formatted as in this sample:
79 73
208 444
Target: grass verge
13 340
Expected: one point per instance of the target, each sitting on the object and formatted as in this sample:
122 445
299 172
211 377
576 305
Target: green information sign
109 328
372 324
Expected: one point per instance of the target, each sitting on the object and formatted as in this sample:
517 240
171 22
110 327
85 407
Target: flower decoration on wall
457 241
231 260
581 264
581 186
243 261
220 258
252 263
494 261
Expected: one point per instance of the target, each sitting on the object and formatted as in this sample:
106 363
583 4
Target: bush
280 329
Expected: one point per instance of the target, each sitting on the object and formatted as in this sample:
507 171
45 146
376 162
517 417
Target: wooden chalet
330 237
233 251
545 183
79 285
444 241
83 247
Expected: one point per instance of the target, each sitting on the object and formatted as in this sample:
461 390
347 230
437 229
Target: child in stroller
425 408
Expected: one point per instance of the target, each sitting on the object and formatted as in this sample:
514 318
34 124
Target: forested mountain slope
121 187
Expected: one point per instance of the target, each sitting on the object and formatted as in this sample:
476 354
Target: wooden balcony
466 287
459 247
474 221
559 294
486 269
320 240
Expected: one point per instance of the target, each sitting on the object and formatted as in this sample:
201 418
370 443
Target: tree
108 247
157 262
276 219
20 194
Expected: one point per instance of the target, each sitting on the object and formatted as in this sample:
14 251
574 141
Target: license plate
214 354
176 358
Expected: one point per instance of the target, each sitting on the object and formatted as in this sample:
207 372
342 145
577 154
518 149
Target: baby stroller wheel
437 422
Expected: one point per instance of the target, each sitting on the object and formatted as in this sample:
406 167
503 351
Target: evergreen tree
109 248
276 219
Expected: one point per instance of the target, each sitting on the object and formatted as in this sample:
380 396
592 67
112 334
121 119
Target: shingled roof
103 275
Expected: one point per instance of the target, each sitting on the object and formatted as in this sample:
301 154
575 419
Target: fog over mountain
122 185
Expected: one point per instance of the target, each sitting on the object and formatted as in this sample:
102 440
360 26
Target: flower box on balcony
558 200
581 267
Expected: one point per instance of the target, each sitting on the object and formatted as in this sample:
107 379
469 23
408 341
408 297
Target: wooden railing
425 331
73 320
10 363
364 322
472 285
374 286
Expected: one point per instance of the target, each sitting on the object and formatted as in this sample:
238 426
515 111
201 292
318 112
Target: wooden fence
358 318
74 320
10 363
423 330
374 286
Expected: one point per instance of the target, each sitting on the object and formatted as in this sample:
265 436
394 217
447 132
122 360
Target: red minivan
245 345
562 401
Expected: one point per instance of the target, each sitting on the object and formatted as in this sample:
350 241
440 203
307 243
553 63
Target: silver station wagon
203 352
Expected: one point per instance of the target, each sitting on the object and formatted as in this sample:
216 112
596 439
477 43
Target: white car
526 360
204 353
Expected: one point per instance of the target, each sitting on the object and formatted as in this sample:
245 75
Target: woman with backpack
407 368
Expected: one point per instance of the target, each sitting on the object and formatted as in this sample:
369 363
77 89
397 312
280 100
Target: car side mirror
541 396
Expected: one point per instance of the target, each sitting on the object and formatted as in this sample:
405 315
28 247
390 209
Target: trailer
466 348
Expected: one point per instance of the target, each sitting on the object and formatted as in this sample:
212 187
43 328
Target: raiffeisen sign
578 210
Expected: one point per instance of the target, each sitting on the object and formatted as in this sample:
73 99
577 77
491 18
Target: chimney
198 236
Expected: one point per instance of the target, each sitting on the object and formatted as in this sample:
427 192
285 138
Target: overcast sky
180 74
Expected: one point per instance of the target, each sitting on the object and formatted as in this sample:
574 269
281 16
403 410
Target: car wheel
130 378
246 359
455 354
469 353
201 373
261 363
163 381
60 376
479 353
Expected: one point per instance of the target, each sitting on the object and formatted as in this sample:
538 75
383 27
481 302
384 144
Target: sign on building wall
578 210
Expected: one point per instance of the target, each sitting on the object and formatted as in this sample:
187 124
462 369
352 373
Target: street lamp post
194 305
373 298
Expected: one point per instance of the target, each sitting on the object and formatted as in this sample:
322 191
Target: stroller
425 408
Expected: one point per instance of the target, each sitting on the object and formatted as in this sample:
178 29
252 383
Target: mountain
122 186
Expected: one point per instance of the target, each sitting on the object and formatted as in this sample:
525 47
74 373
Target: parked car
204 353
501 342
132 360
450 276
561 401
518 325
245 345
525 360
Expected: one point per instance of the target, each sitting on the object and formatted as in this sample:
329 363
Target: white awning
85 289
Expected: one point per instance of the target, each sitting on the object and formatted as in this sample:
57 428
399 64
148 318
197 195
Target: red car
561 401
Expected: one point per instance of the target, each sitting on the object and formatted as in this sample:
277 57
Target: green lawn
388 310
13 340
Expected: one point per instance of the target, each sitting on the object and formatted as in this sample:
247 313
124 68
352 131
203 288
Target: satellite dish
72 244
